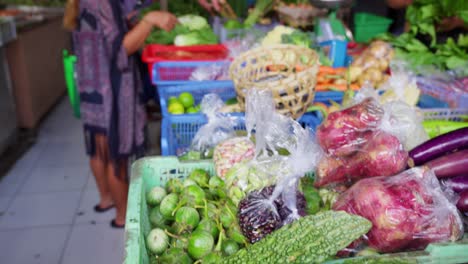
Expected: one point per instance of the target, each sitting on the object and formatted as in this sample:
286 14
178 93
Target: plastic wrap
408 211
219 127
372 64
401 86
248 40
368 139
256 220
215 72
284 152
230 152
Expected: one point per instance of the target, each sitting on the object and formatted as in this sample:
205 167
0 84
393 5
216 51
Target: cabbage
200 37
193 22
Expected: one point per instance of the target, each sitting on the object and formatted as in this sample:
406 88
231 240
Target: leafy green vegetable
424 14
261 7
193 22
199 37
297 37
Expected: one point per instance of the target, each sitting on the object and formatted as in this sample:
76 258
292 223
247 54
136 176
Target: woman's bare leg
98 165
118 186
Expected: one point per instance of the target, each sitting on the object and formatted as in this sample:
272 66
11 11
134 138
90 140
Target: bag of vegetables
266 186
367 139
408 211
219 127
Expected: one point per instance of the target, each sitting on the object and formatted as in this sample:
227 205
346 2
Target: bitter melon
310 239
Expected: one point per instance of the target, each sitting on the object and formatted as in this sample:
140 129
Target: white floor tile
44 180
41 209
33 245
86 213
4 202
63 154
91 184
8 190
95 244
22 168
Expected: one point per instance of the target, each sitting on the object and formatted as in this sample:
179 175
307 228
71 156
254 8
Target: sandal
115 225
99 209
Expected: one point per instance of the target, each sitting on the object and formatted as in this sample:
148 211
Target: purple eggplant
450 165
462 203
439 146
457 184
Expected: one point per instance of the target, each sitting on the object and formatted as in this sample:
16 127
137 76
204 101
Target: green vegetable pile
192 220
191 30
423 16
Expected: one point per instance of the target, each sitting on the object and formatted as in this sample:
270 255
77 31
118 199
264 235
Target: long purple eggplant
462 203
439 146
450 165
457 184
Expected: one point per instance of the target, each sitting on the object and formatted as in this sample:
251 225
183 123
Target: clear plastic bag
401 86
214 72
284 152
408 211
367 139
219 127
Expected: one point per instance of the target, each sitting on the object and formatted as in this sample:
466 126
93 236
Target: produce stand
35 62
156 171
300 130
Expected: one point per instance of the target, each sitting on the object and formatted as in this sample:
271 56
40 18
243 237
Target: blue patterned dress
109 81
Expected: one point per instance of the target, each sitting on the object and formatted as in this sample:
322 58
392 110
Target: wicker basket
289 71
299 17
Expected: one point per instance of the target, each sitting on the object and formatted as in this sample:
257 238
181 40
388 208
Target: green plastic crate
367 26
155 171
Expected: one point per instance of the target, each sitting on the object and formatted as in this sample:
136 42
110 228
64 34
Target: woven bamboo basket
289 71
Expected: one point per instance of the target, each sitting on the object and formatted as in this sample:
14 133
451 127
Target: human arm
210 6
135 38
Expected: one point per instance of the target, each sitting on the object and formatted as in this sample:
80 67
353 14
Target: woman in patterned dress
110 87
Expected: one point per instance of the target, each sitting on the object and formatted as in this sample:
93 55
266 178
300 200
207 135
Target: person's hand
449 23
161 19
214 6
398 4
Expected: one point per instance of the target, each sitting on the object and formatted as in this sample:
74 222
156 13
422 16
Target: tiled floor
47 199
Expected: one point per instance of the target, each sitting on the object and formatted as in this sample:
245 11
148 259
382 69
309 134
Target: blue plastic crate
177 131
179 72
225 90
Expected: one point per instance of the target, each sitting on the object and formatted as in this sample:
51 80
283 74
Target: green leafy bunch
423 15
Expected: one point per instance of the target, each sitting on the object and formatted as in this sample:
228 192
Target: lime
173 99
186 99
176 108
192 110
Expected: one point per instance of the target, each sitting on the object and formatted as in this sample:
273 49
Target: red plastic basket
156 53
